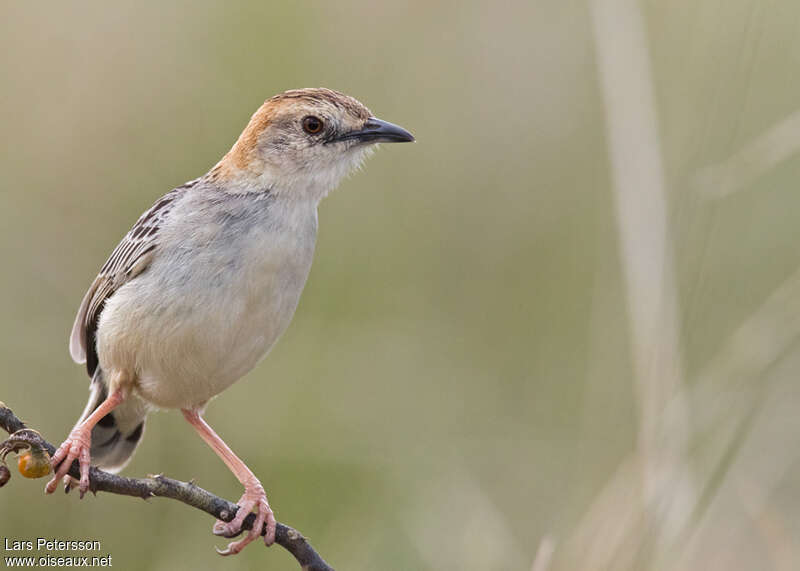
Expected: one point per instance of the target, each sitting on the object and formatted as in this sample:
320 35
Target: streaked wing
129 259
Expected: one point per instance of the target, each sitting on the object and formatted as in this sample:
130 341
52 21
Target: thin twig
163 487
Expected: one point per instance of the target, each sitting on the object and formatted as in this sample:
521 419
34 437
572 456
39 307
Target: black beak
377 131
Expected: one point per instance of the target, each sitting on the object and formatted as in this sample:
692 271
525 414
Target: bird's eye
312 125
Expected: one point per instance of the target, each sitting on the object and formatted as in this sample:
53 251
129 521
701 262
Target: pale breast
213 302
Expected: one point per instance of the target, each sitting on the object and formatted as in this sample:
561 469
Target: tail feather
116 435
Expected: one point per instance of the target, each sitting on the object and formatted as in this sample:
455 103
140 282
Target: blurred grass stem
646 253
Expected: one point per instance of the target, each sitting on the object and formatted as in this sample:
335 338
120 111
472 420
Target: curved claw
69 483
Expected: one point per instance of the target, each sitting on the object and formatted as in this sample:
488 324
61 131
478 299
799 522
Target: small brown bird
206 281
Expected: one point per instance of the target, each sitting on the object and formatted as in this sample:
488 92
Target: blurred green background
459 388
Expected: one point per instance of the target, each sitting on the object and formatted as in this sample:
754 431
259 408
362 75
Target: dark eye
312 125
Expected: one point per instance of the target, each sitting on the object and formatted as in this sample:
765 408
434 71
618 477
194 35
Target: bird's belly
187 337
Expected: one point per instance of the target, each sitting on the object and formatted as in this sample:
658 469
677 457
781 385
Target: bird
207 280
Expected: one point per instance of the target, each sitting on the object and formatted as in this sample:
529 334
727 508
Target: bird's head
303 142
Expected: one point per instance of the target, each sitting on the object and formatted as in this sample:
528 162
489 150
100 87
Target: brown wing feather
131 257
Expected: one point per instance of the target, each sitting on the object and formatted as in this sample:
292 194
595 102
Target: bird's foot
77 445
253 497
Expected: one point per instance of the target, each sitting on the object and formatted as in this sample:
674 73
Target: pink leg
253 497
78 444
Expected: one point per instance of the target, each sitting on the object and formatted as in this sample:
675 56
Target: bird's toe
222 529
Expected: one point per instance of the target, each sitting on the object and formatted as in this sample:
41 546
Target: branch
163 487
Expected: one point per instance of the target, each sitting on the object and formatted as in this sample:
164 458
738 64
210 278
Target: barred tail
116 435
